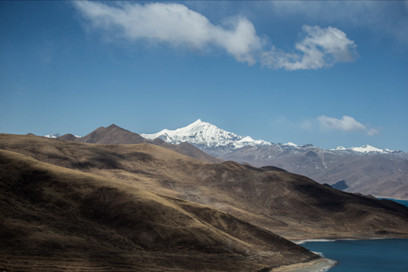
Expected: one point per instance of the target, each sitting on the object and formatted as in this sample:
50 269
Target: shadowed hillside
54 219
290 205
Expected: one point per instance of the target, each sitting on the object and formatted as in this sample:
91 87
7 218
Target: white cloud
178 25
346 123
174 24
321 47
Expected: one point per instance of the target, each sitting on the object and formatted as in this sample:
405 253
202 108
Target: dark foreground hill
59 219
287 204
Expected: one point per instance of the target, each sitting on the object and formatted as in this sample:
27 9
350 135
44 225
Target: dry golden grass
291 205
54 218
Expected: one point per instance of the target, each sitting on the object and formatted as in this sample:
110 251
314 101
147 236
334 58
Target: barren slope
288 204
54 219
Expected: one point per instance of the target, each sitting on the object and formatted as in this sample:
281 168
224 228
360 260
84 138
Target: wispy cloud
178 25
346 123
321 47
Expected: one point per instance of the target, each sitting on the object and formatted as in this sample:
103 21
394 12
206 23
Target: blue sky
327 73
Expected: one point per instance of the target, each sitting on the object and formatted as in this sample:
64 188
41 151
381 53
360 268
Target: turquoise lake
388 255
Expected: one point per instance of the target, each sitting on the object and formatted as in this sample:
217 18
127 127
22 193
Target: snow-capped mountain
203 134
365 149
369 148
206 135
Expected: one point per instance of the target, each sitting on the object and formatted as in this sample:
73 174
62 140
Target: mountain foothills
59 219
116 135
366 169
72 205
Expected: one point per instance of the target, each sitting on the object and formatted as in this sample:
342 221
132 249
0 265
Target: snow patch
368 149
291 144
52 135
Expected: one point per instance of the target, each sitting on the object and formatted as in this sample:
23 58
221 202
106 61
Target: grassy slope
54 218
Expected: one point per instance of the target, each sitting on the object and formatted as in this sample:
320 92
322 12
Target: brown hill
117 135
67 137
112 135
58 219
290 205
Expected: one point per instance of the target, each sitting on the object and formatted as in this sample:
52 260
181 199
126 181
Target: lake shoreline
326 264
321 265
301 242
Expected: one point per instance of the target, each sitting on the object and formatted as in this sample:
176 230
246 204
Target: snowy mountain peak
364 149
198 122
201 133
367 149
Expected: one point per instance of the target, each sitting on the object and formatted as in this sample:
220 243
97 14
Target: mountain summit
205 135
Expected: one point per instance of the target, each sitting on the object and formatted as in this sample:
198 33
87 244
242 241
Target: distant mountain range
365 169
208 136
